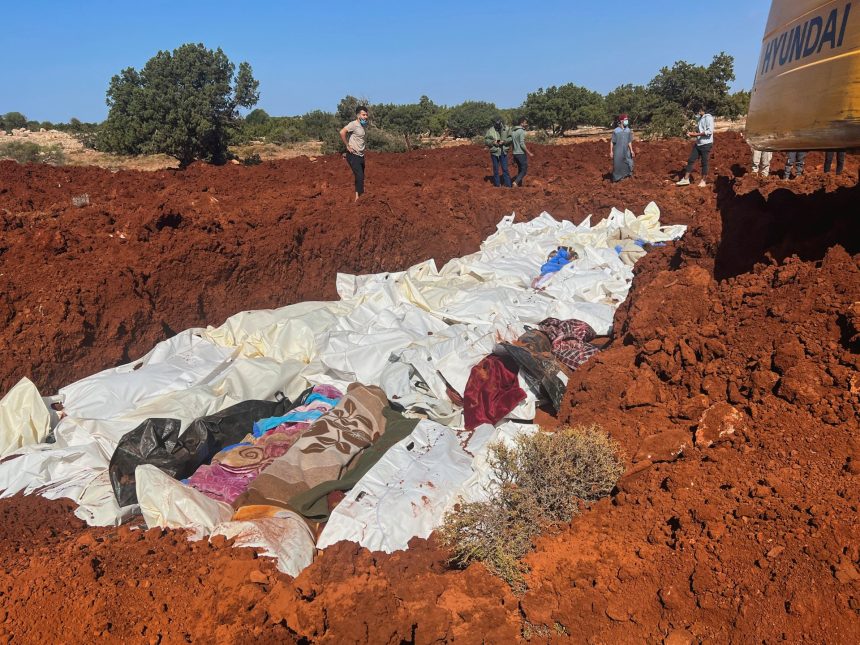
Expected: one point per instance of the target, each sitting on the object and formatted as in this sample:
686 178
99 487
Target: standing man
357 134
796 160
761 159
521 153
704 136
621 149
498 138
840 161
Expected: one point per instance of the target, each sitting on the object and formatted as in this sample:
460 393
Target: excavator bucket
806 94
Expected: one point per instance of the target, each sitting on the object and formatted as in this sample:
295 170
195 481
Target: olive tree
182 103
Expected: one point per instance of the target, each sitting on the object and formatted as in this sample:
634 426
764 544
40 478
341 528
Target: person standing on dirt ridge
621 149
761 158
521 153
355 145
840 161
498 138
794 164
704 135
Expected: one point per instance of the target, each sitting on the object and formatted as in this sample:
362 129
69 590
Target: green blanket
313 503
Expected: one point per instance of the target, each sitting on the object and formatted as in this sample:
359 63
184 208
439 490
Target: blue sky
59 56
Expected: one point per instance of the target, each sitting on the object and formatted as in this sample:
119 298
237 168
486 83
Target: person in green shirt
498 140
521 152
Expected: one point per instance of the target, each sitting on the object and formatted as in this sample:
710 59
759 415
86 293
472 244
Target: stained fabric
570 340
492 391
323 452
315 505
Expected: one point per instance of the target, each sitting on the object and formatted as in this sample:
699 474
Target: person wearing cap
621 149
498 139
521 152
704 135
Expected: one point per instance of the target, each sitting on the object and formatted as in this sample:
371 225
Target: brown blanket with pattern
325 451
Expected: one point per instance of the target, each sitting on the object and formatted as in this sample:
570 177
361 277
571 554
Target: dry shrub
539 481
29 152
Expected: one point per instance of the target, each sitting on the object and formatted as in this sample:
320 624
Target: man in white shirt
704 136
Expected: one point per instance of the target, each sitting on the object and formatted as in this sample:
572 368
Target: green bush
471 118
668 120
29 152
12 121
378 140
562 108
539 481
182 103
318 124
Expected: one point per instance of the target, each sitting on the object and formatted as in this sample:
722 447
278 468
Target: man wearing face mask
621 149
498 138
704 136
357 136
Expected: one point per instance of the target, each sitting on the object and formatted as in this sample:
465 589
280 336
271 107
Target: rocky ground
732 382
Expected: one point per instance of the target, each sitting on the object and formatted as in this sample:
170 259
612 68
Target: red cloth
492 391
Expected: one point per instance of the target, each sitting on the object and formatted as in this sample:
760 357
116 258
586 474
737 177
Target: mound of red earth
732 382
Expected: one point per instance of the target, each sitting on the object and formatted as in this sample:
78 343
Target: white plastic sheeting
170 504
284 536
414 333
24 418
407 493
76 465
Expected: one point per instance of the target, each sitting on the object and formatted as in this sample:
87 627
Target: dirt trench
748 327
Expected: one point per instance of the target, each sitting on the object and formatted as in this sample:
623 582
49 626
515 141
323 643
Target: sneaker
701 183
683 182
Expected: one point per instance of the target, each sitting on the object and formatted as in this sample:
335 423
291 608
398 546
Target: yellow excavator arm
806 94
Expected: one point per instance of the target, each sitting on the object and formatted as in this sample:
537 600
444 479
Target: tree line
187 103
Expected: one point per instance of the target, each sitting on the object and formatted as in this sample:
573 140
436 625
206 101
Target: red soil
750 323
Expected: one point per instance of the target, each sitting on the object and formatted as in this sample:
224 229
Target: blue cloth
235 445
554 264
501 160
316 396
264 425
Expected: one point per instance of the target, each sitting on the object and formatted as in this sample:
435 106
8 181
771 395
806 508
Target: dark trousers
356 162
840 160
522 162
500 160
699 152
796 159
